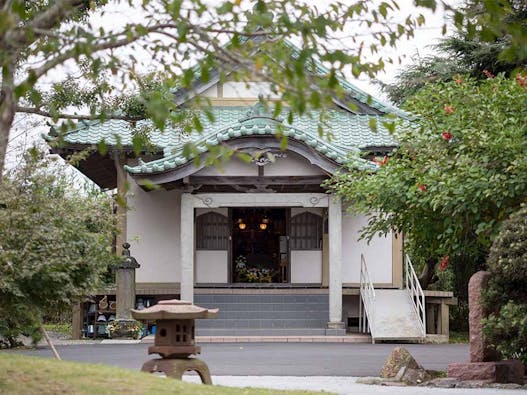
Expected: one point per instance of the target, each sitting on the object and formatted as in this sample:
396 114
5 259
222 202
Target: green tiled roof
349 133
351 89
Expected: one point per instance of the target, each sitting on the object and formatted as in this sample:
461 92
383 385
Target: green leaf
102 147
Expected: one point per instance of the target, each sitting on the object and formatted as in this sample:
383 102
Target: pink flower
449 109
488 74
458 81
446 135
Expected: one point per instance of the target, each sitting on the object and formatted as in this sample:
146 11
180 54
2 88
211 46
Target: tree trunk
7 111
428 276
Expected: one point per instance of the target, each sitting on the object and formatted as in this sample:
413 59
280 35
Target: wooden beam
250 180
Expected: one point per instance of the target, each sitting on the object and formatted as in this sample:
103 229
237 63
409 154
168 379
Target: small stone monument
484 363
125 326
174 339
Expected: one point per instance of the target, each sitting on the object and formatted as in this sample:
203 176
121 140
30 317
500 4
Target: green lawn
31 375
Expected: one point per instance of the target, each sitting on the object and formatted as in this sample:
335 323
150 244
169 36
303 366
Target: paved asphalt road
272 359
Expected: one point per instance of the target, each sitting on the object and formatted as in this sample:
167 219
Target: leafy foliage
39 39
466 52
507 262
507 331
460 169
506 295
56 243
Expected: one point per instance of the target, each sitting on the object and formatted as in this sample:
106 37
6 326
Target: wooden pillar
76 321
186 249
325 260
122 188
445 319
124 276
397 259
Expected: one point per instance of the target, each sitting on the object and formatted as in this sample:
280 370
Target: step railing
416 293
367 305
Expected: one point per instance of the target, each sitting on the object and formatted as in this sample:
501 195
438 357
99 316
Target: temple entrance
259 245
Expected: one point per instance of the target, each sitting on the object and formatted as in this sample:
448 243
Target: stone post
479 350
335 324
186 236
125 282
484 363
125 294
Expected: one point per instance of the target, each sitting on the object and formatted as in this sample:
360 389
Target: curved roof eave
255 127
248 142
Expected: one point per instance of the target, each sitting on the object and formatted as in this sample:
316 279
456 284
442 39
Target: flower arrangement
131 328
247 274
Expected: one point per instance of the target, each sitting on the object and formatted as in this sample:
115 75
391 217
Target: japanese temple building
261 240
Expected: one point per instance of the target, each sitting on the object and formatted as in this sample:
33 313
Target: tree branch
49 114
25 34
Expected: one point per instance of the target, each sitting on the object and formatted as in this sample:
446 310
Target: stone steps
264 314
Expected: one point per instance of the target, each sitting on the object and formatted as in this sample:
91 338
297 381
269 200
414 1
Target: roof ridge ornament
260 110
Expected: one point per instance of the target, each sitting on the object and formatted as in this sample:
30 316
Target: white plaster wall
212 266
212 92
378 253
153 225
234 167
306 267
292 165
237 90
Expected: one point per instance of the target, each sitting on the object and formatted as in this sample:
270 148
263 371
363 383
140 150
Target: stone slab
510 371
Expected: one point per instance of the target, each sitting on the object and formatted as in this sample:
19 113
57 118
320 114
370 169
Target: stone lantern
174 338
125 326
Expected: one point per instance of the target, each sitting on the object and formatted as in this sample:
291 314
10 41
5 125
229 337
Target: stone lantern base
125 329
175 368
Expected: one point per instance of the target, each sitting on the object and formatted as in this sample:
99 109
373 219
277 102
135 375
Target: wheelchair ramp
395 317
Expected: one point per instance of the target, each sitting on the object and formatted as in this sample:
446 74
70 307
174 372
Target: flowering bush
458 171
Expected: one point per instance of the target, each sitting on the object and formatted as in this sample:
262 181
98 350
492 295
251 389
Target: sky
29 129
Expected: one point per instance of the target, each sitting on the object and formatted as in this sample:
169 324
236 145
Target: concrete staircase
265 315
395 317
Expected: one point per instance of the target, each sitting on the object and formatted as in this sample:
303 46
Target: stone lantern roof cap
174 309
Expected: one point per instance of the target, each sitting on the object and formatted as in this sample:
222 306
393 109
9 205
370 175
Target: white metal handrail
416 293
367 295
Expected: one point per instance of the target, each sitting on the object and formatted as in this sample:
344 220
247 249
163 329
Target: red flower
443 263
449 109
488 74
458 81
382 162
421 187
521 80
446 135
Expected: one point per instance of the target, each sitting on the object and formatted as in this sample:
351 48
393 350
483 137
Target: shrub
55 244
507 331
506 295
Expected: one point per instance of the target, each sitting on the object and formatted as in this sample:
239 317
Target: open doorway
259 245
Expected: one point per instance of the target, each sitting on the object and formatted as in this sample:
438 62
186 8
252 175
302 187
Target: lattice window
212 232
306 232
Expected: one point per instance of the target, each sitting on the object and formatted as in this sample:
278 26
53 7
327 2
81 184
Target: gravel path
341 385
